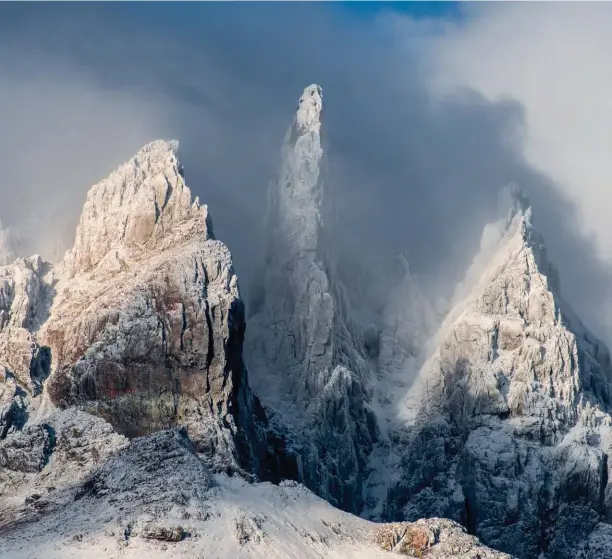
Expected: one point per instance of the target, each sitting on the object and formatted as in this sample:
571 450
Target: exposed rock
506 428
26 292
434 537
146 471
306 358
598 545
13 404
29 451
247 529
147 326
162 533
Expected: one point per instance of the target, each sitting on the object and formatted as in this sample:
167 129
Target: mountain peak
310 108
144 204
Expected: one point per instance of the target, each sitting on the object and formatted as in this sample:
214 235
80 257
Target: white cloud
555 61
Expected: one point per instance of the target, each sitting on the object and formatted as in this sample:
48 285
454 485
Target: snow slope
155 498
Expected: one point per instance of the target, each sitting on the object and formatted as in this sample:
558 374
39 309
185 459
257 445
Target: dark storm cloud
83 85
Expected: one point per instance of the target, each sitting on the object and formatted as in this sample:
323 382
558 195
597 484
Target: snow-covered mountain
307 359
506 426
130 426
125 404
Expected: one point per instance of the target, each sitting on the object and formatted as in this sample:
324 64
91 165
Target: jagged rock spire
507 424
144 204
306 360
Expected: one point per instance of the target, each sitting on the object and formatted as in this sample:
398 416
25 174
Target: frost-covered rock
26 291
306 358
154 497
506 426
147 324
433 537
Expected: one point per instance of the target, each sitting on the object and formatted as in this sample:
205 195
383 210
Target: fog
425 121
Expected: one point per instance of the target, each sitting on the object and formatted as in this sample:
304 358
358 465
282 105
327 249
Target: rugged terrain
306 358
497 417
505 426
129 425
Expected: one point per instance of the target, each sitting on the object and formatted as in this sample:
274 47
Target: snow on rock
506 426
306 358
141 207
408 321
141 324
433 537
26 291
154 497
147 324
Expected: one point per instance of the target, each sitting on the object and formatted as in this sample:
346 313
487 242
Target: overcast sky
429 111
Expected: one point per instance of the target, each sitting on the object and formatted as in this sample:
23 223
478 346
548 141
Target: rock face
125 404
434 537
147 325
306 358
26 292
142 324
506 426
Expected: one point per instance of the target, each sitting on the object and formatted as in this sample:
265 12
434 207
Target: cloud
554 62
406 170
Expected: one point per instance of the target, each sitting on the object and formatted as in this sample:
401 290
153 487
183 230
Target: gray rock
506 426
28 450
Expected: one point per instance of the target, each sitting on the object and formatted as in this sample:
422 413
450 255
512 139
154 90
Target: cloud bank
422 128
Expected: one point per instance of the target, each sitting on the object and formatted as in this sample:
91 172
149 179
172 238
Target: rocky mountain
154 497
127 423
506 427
141 324
130 426
307 359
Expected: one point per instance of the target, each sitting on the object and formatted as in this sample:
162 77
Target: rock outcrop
506 427
142 324
434 537
26 291
147 325
306 358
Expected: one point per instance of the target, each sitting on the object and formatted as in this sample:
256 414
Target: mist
417 147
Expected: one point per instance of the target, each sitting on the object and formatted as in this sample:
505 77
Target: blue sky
415 9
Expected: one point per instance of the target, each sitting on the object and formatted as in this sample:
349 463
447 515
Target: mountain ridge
129 355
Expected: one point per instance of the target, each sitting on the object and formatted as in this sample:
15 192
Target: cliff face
142 323
123 385
306 358
506 426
